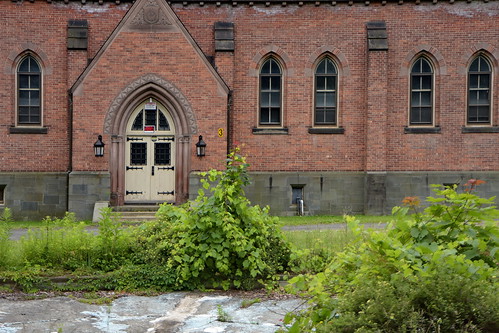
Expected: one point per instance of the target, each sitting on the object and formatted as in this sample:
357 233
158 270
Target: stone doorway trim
166 93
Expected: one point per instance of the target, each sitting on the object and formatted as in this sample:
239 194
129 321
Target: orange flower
411 201
474 182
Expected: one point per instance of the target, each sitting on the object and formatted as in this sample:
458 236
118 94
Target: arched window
151 120
29 89
421 111
270 93
479 84
326 84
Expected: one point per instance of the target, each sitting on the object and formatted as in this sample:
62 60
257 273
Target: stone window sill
422 130
333 130
28 130
270 131
480 129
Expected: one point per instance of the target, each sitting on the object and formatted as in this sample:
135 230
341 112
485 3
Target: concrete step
136 208
137 213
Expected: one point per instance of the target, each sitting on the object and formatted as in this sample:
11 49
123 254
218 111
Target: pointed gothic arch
122 107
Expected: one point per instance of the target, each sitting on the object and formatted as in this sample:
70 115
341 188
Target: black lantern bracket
99 147
201 147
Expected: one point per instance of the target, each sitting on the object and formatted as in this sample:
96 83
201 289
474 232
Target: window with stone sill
270 113
325 93
479 91
29 92
421 90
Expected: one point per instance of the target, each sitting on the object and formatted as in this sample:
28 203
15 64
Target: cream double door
150 155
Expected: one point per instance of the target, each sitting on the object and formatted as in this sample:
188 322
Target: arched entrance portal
150 154
171 114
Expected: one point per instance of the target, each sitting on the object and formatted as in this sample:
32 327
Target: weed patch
249 302
432 271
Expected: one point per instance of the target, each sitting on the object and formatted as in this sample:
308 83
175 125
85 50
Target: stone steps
136 213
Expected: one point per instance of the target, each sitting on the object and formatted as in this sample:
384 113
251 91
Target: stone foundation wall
340 193
34 195
85 188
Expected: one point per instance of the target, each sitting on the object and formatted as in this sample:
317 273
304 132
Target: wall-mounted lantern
99 147
200 147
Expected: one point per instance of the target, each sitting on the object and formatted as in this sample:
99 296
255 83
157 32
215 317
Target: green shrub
62 243
313 250
67 244
142 277
445 301
5 243
113 242
6 216
217 240
435 271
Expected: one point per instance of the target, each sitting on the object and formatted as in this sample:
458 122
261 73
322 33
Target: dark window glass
138 123
29 92
325 93
479 77
152 118
162 153
421 112
163 123
2 191
2 194
270 93
296 194
138 153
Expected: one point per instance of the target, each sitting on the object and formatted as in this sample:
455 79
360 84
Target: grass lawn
32 224
327 219
331 241
285 220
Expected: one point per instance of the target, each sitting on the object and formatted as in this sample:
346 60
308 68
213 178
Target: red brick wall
130 56
41 27
451 33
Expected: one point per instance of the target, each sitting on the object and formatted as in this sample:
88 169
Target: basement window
2 196
296 193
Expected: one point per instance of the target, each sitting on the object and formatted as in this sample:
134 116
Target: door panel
136 170
150 156
162 185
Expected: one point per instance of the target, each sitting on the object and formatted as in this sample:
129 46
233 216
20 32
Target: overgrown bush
433 271
442 301
217 240
5 245
67 244
113 242
55 244
312 251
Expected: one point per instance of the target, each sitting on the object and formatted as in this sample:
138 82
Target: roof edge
266 2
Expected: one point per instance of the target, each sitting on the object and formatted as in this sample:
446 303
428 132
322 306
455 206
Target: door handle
152 170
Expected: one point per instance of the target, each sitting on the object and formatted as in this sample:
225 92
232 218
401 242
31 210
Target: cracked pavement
167 313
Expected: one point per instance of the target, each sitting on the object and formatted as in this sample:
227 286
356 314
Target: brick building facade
349 105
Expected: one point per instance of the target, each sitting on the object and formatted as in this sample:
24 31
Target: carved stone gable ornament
151 13
151 16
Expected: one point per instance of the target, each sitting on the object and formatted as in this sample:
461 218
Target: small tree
219 239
